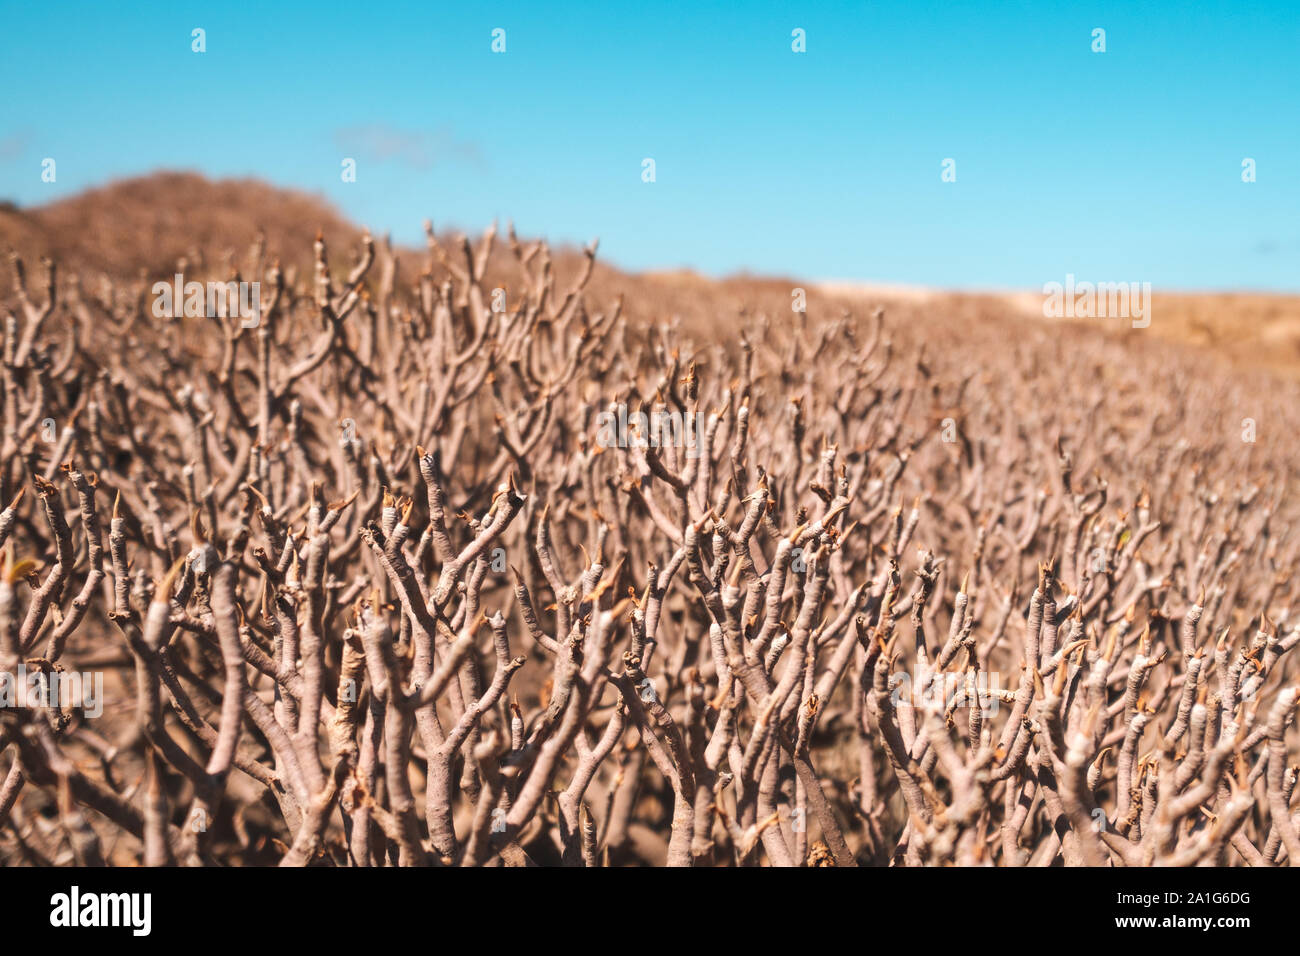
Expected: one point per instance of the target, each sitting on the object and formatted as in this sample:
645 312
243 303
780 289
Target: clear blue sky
1122 166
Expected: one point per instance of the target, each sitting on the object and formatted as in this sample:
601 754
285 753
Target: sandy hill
148 224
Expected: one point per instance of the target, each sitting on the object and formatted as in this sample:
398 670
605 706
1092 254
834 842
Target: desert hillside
151 224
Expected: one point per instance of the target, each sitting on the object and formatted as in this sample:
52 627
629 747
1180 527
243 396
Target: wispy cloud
416 149
1271 246
14 145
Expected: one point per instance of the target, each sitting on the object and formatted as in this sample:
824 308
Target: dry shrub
384 580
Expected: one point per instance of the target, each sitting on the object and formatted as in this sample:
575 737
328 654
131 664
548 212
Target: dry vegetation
367 587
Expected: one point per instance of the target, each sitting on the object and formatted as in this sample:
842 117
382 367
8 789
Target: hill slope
148 224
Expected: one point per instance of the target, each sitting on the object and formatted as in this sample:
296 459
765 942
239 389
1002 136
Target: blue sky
1115 166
